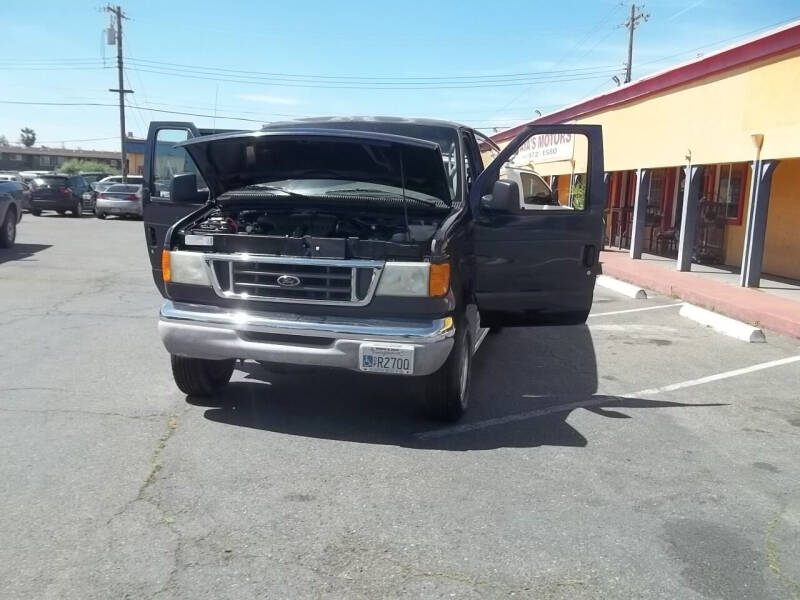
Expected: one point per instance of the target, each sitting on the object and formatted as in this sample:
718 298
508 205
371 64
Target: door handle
589 255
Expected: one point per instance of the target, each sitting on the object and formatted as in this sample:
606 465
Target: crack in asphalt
142 496
78 411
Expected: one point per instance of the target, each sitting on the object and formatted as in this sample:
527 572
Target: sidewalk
770 310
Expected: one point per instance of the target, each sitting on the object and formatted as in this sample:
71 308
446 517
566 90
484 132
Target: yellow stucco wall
782 246
135 163
714 118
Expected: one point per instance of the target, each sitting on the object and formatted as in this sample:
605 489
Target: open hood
232 161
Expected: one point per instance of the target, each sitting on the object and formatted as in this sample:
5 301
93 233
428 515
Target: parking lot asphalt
639 456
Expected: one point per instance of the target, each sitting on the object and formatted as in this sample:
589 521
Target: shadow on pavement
525 384
21 251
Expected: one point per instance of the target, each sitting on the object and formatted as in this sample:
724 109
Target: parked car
60 193
93 176
534 193
10 176
123 199
118 179
12 197
382 246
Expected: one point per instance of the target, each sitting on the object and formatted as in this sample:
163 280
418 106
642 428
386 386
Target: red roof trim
779 42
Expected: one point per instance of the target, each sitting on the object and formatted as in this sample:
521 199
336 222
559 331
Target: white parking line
717 377
438 433
633 310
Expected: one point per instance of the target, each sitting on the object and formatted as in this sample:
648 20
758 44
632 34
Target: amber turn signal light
166 271
439 280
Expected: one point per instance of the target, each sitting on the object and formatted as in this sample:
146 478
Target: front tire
201 377
99 215
36 212
8 231
447 390
77 211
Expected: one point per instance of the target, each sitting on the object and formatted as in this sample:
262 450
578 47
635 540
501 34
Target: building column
692 187
639 212
756 229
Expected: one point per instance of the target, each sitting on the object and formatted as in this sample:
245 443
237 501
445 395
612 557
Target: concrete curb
725 325
773 313
621 287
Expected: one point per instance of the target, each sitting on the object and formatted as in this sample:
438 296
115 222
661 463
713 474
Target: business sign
544 148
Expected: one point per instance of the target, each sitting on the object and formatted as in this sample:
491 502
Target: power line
538 81
59 59
107 104
310 78
722 41
604 20
62 68
359 78
476 123
102 139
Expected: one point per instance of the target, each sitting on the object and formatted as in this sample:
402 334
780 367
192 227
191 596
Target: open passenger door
536 264
162 161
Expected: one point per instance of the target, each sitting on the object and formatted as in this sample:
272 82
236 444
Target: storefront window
731 190
655 194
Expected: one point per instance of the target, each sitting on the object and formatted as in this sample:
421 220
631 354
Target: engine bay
300 223
314 232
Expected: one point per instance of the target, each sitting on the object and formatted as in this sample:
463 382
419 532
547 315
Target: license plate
87 196
386 358
115 210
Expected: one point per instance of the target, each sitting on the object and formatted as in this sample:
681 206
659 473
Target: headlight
404 279
184 267
414 279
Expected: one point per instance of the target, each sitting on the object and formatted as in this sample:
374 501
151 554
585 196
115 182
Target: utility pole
117 11
637 18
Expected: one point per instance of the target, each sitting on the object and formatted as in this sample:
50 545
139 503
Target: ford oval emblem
288 281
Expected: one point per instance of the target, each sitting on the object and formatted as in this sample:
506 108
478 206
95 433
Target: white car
136 179
121 199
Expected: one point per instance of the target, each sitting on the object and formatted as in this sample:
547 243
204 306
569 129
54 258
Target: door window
562 159
169 160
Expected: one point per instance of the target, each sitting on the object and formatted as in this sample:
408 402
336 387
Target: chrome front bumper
200 331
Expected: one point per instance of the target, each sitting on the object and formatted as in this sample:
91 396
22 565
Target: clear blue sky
477 41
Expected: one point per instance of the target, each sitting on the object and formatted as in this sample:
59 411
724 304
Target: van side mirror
504 197
183 189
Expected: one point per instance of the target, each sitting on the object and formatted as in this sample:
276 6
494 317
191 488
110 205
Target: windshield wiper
273 188
376 192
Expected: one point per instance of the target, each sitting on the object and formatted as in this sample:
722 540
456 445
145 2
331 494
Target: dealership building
702 160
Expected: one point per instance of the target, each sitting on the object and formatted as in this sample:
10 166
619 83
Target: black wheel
36 213
61 212
77 210
8 232
447 390
99 214
200 377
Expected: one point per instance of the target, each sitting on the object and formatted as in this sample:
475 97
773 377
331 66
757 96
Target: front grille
295 280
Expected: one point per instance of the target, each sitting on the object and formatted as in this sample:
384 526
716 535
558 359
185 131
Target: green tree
75 165
578 196
3 140
27 137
